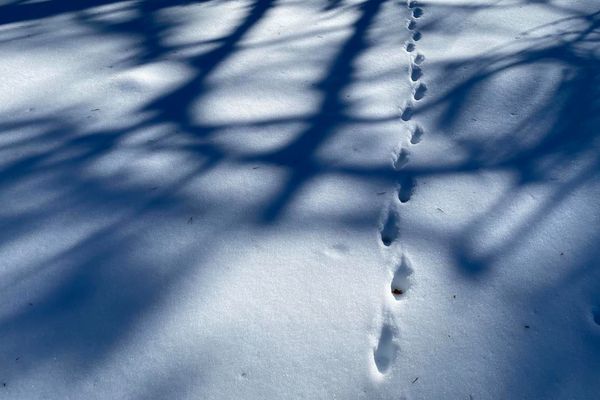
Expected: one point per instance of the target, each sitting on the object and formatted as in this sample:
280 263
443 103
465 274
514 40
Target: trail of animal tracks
278 199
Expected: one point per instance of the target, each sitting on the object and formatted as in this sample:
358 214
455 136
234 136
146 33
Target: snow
275 199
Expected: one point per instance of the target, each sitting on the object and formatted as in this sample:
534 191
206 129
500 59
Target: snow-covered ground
299 199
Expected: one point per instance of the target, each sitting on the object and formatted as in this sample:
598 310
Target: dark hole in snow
596 316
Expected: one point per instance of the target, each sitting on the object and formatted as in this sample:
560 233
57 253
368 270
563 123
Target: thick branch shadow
298 155
80 304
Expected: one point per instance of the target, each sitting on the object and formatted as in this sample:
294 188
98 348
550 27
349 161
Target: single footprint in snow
417 36
412 24
419 58
407 188
417 12
420 91
402 159
417 135
391 228
415 73
410 47
385 352
411 3
401 280
407 113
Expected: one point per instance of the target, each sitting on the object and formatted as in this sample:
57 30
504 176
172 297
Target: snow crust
360 199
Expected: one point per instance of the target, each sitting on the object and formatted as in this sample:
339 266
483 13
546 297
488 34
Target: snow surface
282 199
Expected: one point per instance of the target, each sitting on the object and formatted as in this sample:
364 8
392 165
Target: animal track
416 73
407 188
391 228
417 135
401 280
407 113
402 159
385 352
386 349
420 91
596 315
